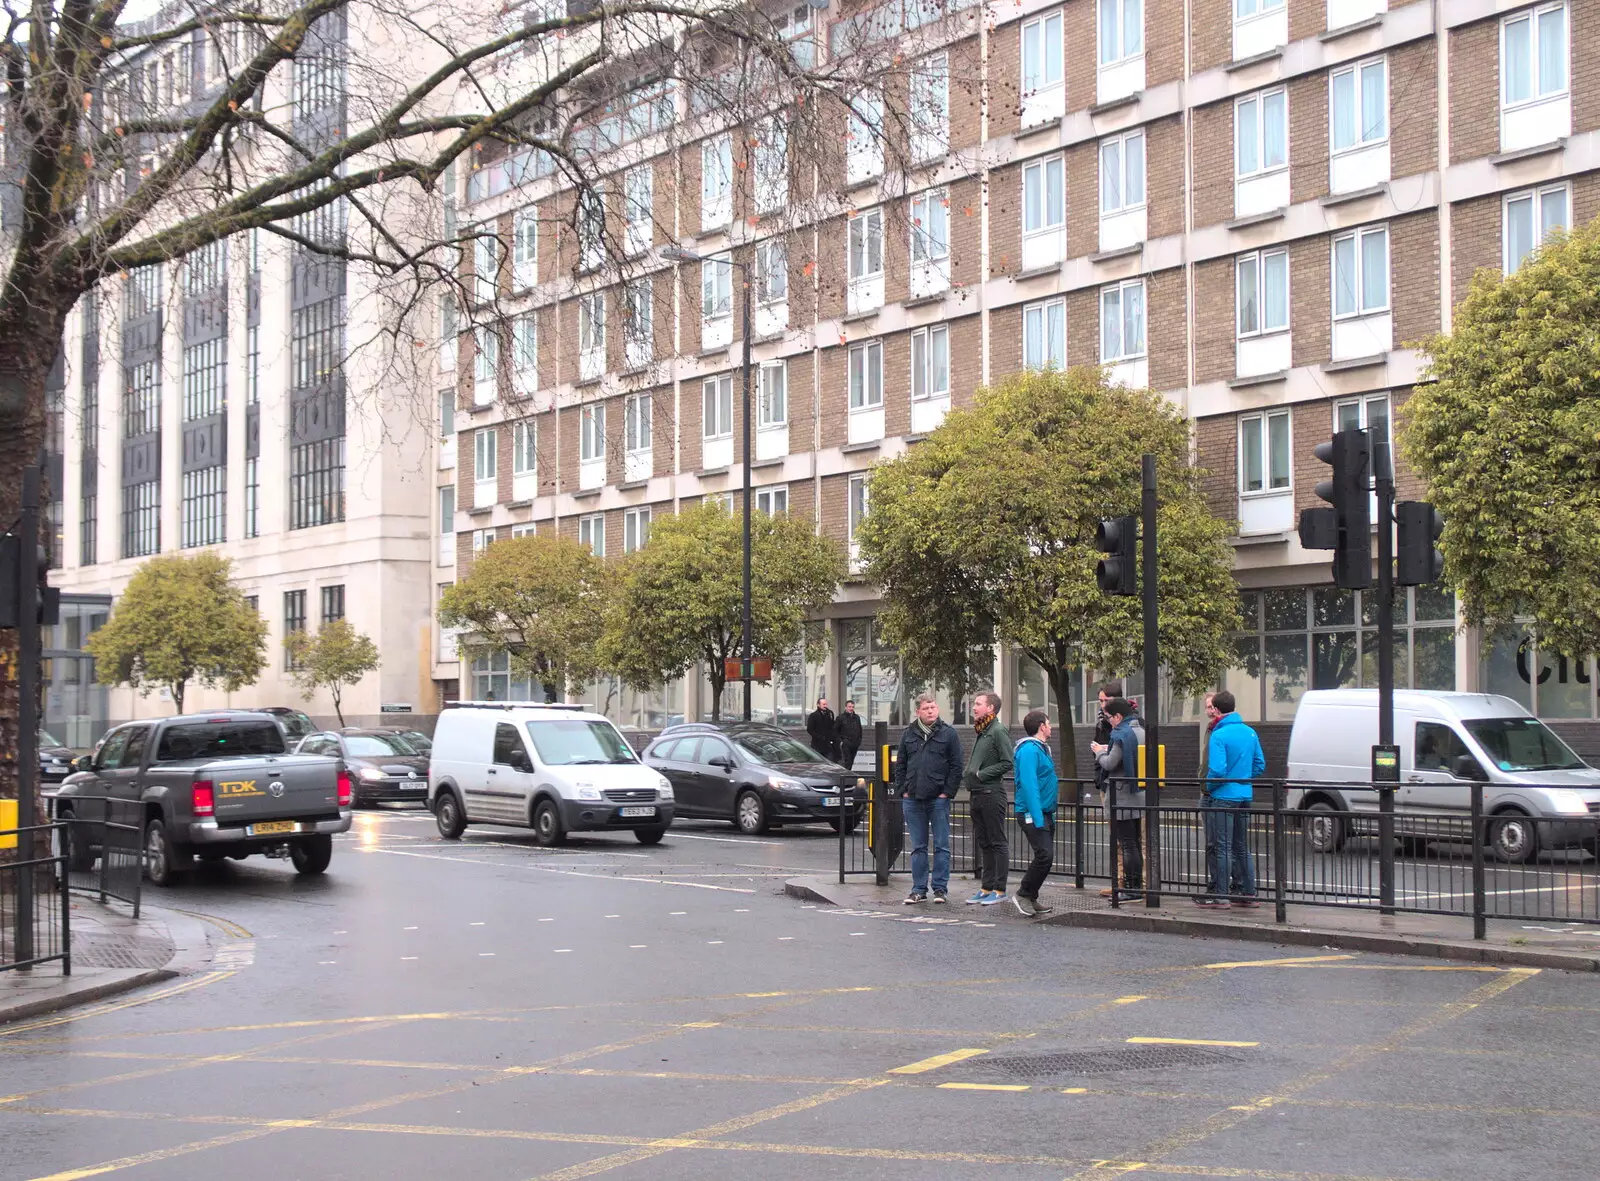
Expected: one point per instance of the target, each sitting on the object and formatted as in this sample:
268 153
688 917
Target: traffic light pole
1152 690
1383 468
28 702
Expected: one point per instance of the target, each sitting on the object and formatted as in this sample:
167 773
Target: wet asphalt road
485 1009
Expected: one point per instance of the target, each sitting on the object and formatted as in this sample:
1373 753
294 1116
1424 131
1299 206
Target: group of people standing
835 738
931 770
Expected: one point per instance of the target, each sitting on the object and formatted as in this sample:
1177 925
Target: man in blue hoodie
1235 759
1035 805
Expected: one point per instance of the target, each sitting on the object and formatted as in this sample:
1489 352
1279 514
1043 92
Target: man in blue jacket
928 773
1235 759
1035 805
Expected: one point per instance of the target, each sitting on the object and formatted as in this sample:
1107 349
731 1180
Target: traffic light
46 603
1119 573
1346 528
1419 525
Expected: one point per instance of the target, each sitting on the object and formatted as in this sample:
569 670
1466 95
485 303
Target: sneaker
1107 892
1025 906
1130 896
992 897
939 898
914 897
977 898
1040 908
1212 903
1246 904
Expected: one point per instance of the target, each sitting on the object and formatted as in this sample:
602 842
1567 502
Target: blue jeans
919 815
1227 830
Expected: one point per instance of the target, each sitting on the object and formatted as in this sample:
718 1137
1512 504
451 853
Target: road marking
326 962
1074 1090
566 873
785 938
763 994
1184 1041
613 916
559 951
408 957
689 836
854 933
485 953
937 1061
474 924
98 1010
1128 1000
408 928
677 912
637 946
741 910
712 942
983 1087
1284 963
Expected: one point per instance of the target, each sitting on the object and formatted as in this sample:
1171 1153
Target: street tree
540 600
181 619
1507 438
680 598
984 533
336 657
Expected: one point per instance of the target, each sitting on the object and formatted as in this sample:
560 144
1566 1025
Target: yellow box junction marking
937 1061
1284 963
983 1087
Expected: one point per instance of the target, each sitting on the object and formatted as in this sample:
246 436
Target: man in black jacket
849 735
928 774
822 728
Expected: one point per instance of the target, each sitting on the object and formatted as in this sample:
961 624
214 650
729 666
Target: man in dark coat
849 735
823 729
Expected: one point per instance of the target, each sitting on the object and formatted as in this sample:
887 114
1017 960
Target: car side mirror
724 762
1466 767
520 760
83 763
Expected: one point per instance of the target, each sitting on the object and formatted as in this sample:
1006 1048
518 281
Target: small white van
1446 740
553 769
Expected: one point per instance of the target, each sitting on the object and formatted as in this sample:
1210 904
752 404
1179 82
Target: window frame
765 420
1043 309
856 503
865 385
1121 27
926 207
1121 289
929 102
592 323
864 137
1041 168
485 454
924 367
635 214
639 323
719 386
525 238
525 344
591 432
1535 196
1260 8
1358 235
858 228
524 448
1531 15
771 494
766 251
1258 99
638 424
1264 454
770 167
715 304
635 528
1258 259
594 526
1356 71
1122 139
1041 23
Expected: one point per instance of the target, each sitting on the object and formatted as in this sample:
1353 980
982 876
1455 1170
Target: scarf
980 727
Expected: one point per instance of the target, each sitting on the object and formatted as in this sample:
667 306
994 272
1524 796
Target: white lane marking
785 938
637 946
341 932
408 928
689 836
741 910
712 942
408 957
485 953
569 873
613 916
563 950
474 924
678 912
327 961
547 920
857 932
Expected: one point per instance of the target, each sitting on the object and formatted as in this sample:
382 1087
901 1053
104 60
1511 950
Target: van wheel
80 854
164 864
1513 838
311 855
650 836
750 814
450 816
547 828
1324 828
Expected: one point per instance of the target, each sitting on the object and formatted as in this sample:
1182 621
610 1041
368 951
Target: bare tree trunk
177 695
337 712
1061 685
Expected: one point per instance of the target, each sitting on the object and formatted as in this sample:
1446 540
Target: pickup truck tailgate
272 787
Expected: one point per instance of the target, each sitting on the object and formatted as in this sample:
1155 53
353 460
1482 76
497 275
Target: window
1262 292
484 454
482 539
1121 30
1044 195
1244 9
447 518
638 195
636 423
1359 105
1122 321
771 163
1261 133
716 182
205 506
635 529
591 229
485 266
1369 413
525 349
866 245
1361 272
592 533
1041 53
525 247
447 332
772 501
772 271
1530 219
866 376
716 287
485 364
1122 172
1533 54
530 529
718 410
316 483
930 363
447 417
864 140
930 227
773 398
858 504
930 107
524 449
332 603
638 323
592 324
252 364
252 497
592 433
1264 452
294 620
1044 335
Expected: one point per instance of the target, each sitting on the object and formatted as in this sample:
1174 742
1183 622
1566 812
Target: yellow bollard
8 820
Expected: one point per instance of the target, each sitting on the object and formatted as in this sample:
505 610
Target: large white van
1446 740
549 768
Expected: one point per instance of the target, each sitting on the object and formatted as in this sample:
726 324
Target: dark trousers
989 835
1127 835
1042 840
847 757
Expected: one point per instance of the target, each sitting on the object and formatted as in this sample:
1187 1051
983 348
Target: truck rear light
204 799
346 789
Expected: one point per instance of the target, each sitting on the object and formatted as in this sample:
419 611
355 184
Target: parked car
207 785
383 766
553 769
294 723
55 760
1536 791
416 739
755 775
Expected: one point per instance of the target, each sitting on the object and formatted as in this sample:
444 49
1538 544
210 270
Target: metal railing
35 918
103 857
1463 862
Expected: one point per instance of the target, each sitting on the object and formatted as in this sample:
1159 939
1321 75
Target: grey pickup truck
204 786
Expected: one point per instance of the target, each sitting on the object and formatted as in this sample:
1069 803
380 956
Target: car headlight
587 791
1568 803
370 775
664 789
783 783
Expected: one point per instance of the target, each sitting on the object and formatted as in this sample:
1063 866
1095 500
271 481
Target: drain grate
118 951
1034 1066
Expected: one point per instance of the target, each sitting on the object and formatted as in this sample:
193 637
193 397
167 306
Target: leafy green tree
680 599
985 532
335 657
1507 437
541 600
180 620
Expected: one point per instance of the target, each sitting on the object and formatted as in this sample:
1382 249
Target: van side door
510 776
1431 787
124 783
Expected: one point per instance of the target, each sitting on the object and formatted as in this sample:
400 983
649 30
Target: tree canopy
180 620
680 597
336 657
985 531
1507 437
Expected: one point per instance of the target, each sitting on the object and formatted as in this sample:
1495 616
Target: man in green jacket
985 782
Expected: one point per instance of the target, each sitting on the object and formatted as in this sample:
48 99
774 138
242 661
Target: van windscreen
1523 744
564 743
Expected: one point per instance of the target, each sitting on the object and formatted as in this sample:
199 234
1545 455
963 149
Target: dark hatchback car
754 775
55 760
384 766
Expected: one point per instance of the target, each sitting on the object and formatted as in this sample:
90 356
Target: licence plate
272 828
830 801
636 811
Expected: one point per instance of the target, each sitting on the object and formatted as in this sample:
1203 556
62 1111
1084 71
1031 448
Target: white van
553 769
1446 740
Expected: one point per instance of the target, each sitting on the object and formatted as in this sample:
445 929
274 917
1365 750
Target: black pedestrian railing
104 856
35 918
1456 858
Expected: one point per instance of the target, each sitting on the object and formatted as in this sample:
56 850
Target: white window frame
638 426
856 505
1046 30
930 227
592 432
930 108
930 363
592 533
1532 16
1244 10
592 330
525 350
774 500
525 247
716 182
638 198
524 448
638 340
1123 143
1119 28
1036 179
1257 103
864 364
485 454
482 539
772 395
866 228
529 529
1366 133
635 529
1121 293
446 508
591 222
1538 231
1269 422
770 166
1358 238
716 287
1256 263
449 318
485 364
864 138
486 254
447 417
1363 416
1038 320
716 421
772 262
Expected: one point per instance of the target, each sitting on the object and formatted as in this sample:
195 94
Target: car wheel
650 836
848 822
449 815
311 855
80 854
750 814
1513 838
164 864
547 828
1324 828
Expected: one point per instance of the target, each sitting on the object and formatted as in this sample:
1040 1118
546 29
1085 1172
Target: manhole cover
116 951
1074 1062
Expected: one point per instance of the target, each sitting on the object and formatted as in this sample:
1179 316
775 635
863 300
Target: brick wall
567 428
1083 199
1584 19
1167 334
834 508
802 500
966 222
966 356
1164 177
1213 164
802 413
1308 137
1307 18
1163 41
545 428
1413 109
966 95
1005 348
1083 328
1474 90
692 409
897 383
1005 221
1211 37
1005 81
1214 334
1216 441
1414 265
835 406
1081 63
1309 293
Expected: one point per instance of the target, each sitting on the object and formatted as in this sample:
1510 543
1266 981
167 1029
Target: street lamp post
679 254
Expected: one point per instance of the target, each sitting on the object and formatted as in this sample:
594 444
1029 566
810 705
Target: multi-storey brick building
1258 207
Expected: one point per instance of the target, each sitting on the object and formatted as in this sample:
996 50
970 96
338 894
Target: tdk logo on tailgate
239 787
